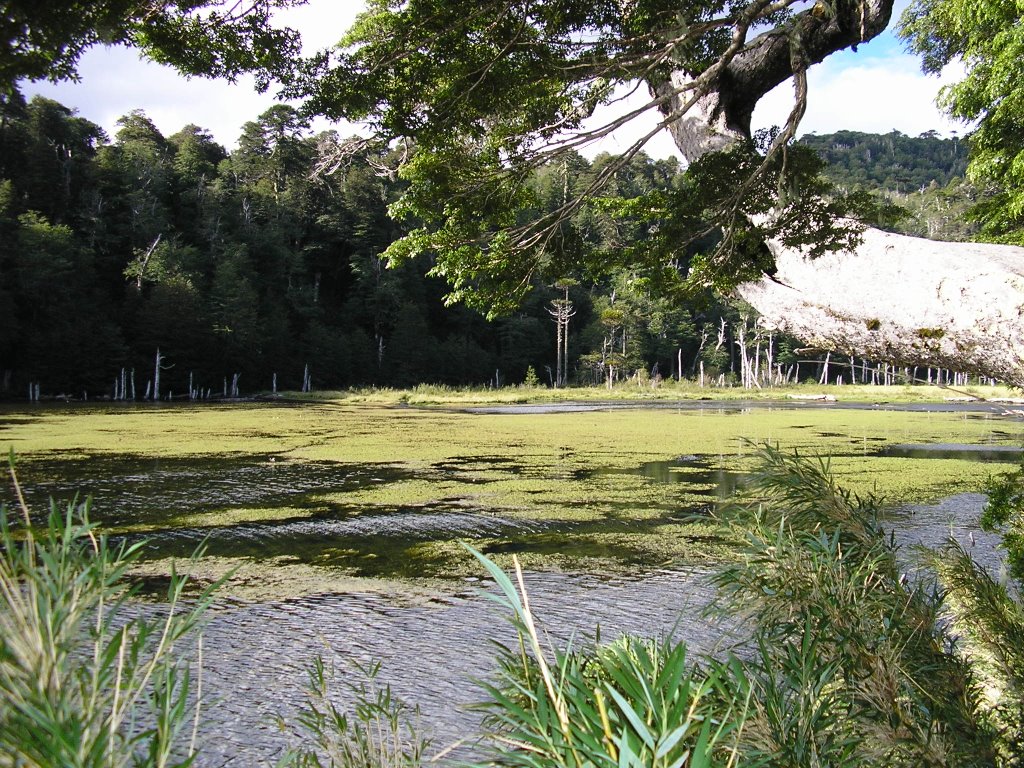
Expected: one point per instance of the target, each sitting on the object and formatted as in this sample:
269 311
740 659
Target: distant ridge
890 162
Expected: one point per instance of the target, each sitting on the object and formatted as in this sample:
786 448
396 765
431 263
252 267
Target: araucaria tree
480 94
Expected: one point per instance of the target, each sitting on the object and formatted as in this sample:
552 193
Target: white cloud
877 96
117 80
321 22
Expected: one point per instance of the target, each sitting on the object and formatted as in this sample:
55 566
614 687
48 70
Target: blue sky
877 89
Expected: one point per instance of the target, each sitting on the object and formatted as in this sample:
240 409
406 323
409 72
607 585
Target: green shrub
854 666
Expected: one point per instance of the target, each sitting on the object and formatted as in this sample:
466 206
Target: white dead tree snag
906 300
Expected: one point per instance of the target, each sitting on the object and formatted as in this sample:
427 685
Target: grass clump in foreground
848 662
380 731
89 680
85 680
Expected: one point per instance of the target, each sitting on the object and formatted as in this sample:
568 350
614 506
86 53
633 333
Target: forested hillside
250 265
923 174
141 266
890 162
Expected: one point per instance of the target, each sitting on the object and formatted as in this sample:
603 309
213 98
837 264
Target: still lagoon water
343 525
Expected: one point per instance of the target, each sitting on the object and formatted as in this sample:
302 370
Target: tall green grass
636 703
853 664
379 730
85 678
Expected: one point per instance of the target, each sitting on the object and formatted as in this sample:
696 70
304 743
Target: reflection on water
255 655
703 472
956 517
962 451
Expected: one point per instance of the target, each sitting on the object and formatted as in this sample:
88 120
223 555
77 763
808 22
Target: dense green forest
891 162
142 265
925 175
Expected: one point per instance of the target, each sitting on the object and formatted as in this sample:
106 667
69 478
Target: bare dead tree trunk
747 377
145 262
559 349
156 375
700 348
561 311
565 342
755 374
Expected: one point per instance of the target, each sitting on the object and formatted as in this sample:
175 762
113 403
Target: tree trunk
156 375
565 349
902 299
905 300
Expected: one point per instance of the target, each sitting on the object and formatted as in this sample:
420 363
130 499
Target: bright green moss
604 490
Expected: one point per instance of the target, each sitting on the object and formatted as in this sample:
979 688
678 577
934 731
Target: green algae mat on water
305 497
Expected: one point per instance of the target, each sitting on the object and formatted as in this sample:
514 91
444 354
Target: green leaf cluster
506 74
988 38
211 39
712 230
488 97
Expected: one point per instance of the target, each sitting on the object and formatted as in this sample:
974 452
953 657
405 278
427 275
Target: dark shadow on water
181 503
962 451
701 472
139 490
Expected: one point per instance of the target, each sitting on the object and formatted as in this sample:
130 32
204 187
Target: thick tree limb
722 115
905 300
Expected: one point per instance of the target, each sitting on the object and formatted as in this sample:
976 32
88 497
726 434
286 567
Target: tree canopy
213 38
248 263
988 38
483 93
